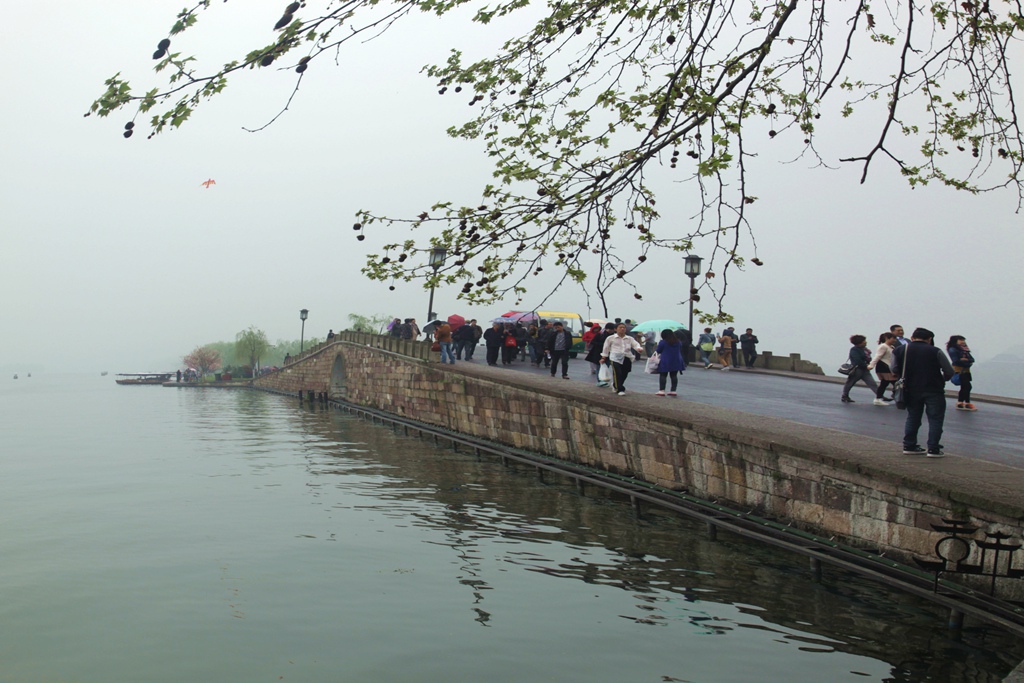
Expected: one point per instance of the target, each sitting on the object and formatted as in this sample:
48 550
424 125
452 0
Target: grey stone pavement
995 433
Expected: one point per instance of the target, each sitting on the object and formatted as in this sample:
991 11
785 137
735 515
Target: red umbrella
456 321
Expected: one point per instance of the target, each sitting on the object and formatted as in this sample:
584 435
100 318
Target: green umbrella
658 326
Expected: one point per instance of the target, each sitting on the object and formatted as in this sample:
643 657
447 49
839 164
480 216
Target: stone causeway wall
829 482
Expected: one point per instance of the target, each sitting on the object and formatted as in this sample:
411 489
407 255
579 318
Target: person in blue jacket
962 361
671 363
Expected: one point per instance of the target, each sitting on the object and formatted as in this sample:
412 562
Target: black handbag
846 368
898 392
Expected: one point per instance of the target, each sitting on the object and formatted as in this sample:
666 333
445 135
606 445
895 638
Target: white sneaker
659 393
880 402
622 393
725 368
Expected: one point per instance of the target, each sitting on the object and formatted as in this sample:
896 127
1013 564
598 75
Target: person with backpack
509 345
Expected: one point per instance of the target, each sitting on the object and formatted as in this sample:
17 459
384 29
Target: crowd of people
611 349
918 371
911 372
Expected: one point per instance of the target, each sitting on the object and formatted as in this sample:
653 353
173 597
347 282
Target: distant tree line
251 348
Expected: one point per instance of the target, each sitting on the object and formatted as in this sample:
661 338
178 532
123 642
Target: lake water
152 534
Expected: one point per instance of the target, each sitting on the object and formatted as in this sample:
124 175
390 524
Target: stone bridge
832 483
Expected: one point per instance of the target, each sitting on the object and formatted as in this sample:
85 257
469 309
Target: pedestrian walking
671 361
735 347
443 335
597 347
881 363
650 342
509 345
706 344
559 343
620 349
963 361
463 339
545 330
925 371
725 350
859 358
494 339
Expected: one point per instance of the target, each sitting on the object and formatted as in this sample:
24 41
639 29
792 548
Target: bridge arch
338 385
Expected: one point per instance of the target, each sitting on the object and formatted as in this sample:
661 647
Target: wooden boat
143 377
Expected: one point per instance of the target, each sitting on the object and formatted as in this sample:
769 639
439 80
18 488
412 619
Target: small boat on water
143 377
15 376
103 374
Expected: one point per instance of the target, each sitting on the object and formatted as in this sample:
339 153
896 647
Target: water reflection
493 518
531 577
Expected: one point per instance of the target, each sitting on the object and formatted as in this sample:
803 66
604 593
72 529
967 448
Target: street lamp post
304 313
437 256
691 266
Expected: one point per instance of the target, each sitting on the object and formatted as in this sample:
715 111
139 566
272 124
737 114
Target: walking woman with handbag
881 363
962 361
859 358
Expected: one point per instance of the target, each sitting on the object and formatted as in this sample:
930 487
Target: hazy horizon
116 257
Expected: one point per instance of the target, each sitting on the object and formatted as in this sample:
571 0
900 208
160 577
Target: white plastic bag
652 364
604 374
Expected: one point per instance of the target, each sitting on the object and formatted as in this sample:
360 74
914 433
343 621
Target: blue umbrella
658 326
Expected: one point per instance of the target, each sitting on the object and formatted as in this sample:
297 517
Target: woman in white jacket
881 363
619 349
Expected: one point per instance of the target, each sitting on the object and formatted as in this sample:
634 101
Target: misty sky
116 258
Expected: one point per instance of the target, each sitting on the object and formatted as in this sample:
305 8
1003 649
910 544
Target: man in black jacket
558 344
545 330
748 342
494 339
925 371
465 340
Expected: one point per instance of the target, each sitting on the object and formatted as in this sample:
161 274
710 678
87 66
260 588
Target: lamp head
437 257
691 265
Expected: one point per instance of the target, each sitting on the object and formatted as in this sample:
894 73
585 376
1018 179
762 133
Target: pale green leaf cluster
579 110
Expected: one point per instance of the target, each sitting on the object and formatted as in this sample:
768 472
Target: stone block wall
831 483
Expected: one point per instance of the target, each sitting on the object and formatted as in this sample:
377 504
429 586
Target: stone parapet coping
991 486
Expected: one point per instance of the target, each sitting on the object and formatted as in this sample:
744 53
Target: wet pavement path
994 433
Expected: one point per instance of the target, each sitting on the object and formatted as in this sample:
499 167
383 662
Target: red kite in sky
207 183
